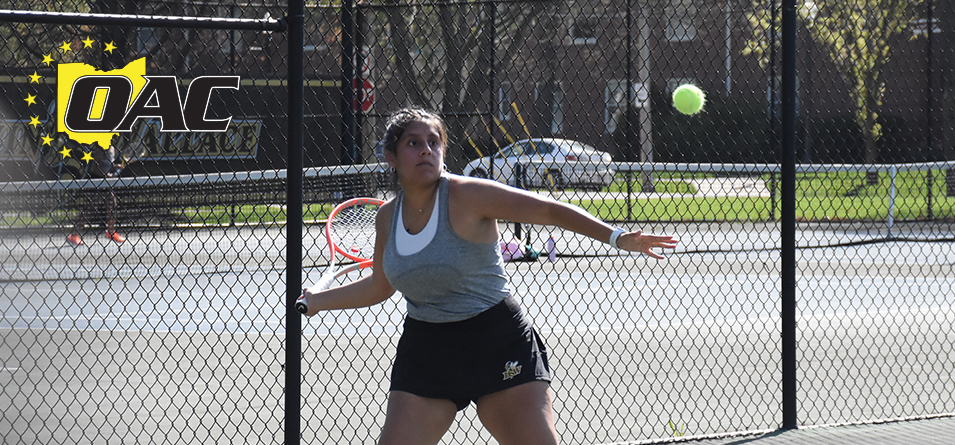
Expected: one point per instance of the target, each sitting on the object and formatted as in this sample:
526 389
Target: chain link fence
180 333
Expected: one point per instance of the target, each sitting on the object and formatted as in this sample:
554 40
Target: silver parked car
547 163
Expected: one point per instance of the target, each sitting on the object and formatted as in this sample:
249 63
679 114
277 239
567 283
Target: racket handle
324 283
301 306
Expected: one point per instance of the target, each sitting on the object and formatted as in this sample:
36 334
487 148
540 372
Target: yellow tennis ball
688 99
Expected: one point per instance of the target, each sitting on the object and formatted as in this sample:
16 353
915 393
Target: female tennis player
465 337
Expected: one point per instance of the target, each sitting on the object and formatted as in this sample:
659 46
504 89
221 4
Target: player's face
419 154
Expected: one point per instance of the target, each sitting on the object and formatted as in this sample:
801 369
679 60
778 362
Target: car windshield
538 148
522 148
543 148
528 148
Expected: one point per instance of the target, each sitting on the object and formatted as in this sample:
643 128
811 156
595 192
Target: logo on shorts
511 370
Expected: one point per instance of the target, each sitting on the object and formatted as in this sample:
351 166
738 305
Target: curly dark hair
401 119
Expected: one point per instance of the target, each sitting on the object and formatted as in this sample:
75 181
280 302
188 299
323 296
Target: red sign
364 95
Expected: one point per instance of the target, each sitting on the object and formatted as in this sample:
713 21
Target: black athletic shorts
464 360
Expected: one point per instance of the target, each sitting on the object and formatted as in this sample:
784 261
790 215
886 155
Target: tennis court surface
179 332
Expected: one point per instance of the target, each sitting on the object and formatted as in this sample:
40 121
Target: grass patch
820 197
680 209
734 209
249 214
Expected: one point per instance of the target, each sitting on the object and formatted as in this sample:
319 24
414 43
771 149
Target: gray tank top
450 279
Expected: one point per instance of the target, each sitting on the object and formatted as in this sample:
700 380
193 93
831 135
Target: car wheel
478 174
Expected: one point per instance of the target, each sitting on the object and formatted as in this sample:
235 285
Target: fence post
293 226
788 217
349 155
929 105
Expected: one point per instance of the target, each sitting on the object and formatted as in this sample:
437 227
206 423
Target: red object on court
364 95
74 239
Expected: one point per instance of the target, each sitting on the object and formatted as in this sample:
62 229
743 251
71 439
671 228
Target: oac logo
94 105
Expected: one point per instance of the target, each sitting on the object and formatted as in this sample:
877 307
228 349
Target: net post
772 196
293 227
892 174
629 177
519 173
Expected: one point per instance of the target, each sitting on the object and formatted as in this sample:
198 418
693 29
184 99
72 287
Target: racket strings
353 230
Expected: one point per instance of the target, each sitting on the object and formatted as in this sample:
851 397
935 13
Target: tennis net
740 205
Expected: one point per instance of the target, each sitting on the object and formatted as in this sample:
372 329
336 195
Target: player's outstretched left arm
497 201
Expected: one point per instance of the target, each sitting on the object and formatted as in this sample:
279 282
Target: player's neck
419 198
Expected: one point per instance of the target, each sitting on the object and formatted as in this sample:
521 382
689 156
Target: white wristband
614 236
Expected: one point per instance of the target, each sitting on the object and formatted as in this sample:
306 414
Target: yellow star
47 140
35 121
87 156
66 47
30 100
35 78
47 59
88 42
65 152
110 47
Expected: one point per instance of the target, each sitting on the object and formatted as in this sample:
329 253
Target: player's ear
390 158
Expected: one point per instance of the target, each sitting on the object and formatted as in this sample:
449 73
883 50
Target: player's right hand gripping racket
350 232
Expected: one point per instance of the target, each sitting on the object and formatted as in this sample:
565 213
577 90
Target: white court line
594 329
141 331
689 438
127 323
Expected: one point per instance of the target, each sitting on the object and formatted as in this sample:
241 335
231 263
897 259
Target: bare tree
443 60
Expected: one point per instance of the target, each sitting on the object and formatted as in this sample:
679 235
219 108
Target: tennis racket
350 233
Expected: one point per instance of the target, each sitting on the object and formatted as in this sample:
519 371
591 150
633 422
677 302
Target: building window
583 30
556 106
504 101
615 96
921 27
681 21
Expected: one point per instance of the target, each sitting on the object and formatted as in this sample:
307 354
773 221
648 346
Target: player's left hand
638 242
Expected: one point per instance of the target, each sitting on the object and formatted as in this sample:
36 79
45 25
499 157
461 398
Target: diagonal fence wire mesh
177 333
164 336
